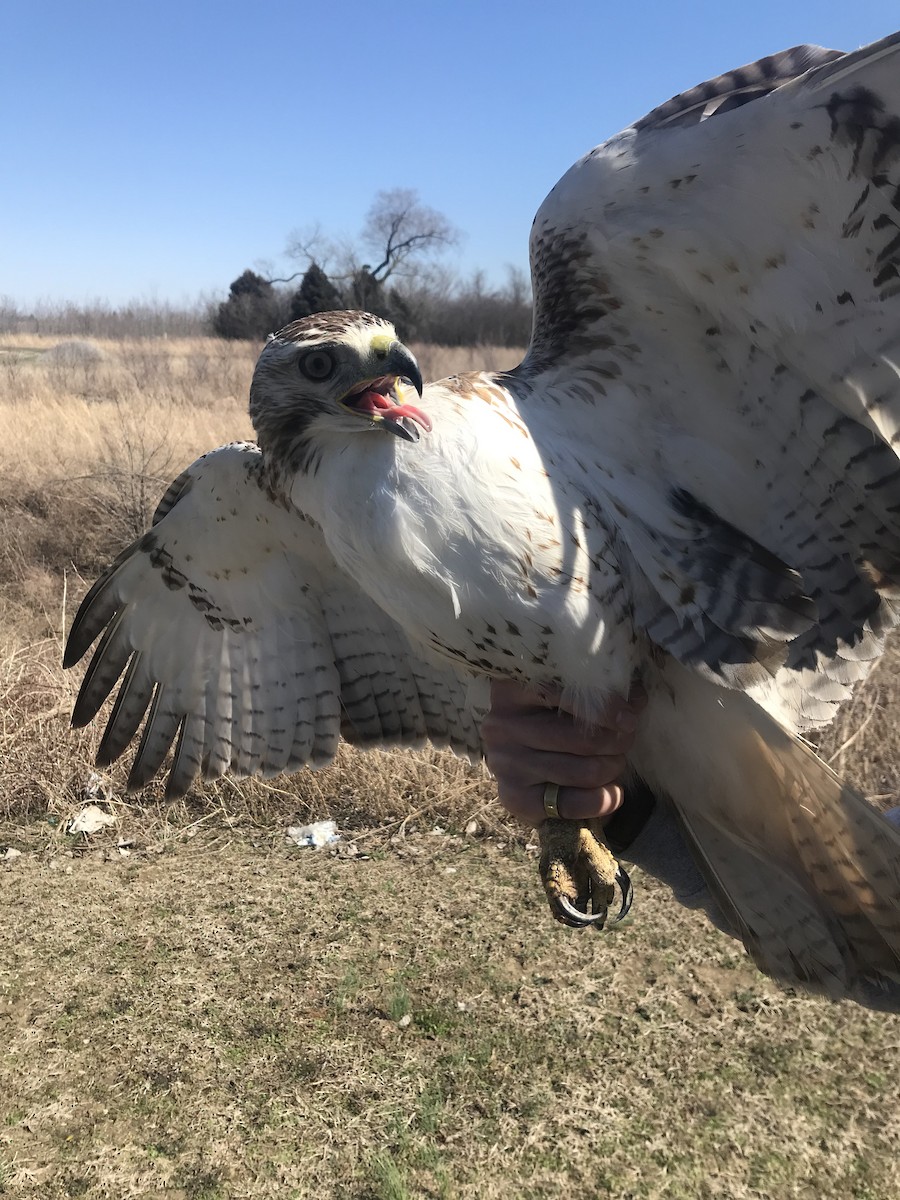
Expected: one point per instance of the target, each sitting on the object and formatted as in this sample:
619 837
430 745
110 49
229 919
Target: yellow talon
577 868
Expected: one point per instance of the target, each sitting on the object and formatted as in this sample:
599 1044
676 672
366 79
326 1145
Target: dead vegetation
191 1008
91 433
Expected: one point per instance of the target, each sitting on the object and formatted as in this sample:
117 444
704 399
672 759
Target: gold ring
551 800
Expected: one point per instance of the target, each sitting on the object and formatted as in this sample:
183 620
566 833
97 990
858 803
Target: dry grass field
192 1007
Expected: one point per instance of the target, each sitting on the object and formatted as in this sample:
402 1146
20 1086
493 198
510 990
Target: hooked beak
380 397
401 362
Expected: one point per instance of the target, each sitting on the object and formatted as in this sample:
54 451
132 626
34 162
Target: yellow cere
381 343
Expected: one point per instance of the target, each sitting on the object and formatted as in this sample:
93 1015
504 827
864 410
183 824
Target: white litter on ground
91 819
317 835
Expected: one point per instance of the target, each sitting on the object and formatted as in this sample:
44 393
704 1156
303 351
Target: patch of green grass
431 1108
436 1020
398 1002
346 989
770 1171
386 1179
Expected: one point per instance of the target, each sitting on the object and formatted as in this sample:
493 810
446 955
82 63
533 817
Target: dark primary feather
665 287
736 88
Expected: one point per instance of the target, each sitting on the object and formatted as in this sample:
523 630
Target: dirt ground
227 1015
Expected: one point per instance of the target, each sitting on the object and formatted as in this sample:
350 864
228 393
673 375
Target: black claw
627 889
577 918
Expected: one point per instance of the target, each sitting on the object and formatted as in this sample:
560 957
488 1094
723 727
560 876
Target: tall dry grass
91 433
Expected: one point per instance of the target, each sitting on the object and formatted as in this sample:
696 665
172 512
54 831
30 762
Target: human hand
529 742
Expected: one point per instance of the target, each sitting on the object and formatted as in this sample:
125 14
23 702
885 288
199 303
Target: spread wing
250 648
718 313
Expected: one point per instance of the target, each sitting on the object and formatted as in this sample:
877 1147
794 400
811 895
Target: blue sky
153 151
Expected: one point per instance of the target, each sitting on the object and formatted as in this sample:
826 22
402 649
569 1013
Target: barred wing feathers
251 650
718 321
724 281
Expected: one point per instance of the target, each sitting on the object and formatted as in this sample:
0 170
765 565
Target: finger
547 729
547 723
573 804
568 770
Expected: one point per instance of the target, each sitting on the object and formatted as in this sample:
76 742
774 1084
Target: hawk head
332 373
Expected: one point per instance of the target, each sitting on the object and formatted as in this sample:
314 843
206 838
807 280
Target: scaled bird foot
577 869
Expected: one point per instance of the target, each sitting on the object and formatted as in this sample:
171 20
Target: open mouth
381 399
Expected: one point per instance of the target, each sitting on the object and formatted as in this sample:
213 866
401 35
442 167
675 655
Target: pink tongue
408 410
371 402
374 402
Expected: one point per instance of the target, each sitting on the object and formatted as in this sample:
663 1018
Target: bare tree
394 269
311 245
399 228
338 259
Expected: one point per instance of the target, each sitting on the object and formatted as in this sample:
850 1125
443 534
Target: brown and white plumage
251 649
692 478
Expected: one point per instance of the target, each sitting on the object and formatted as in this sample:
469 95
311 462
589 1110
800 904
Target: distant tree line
424 300
102 320
393 269
465 313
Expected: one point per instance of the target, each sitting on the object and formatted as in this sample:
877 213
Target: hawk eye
317 365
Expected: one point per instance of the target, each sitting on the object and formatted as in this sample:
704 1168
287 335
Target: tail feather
773 914
805 870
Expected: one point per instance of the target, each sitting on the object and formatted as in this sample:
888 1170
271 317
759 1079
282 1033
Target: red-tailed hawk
691 479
